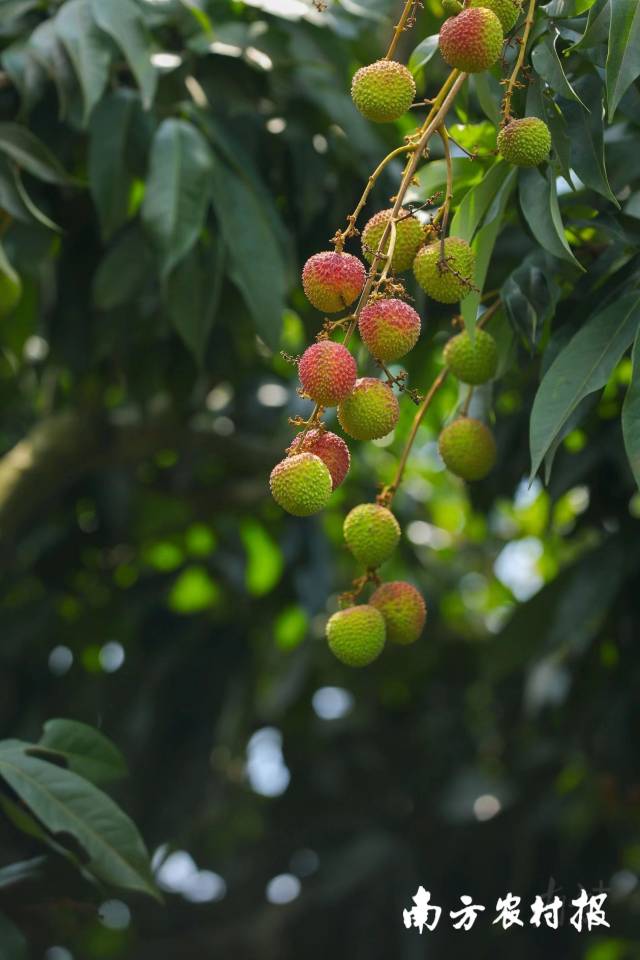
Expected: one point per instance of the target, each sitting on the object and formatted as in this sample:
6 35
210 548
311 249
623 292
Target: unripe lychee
447 280
452 7
468 448
327 372
472 361
356 635
301 484
409 237
389 328
371 533
383 91
332 280
525 142
331 449
507 11
472 41
403 609
370 411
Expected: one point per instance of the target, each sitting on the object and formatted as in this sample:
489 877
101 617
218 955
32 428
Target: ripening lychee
507 11
371 533
332 280
446 280
403 609
409 237
383 91
389 328
370 411
301 484
356 635
472 41
331 449
525 142
452 7
472 361
468 448
327 372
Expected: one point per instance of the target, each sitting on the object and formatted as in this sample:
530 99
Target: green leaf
530 295
122 20
89 50
597 28
85 750
30 154
17 872
48 49
477 202
547 64
109 178
539 203
177 191
14 945
66 803
489 93
193 293
264 559
623 57
631 413
580 369
26 73
423 53
124 271
586 136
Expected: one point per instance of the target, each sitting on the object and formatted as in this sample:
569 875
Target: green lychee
356 635
525 142
468 448
452 7
474 360
409 237
371 533
327 372
370 411
301 484
403 609
446 280
331 449
507 11
389 328
383 91
332 280
472 41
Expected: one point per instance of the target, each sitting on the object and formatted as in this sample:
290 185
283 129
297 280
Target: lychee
370 411
474 360
301 484
525 142
383 91
507 11
331 449
452 7
446 280
356 635
472 41
403 609
371 533
468 448
409 237
389 328
333 280
327 372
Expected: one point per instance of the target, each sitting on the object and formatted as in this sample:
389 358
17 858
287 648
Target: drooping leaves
85 750
88 48
631 414
539 203
122 20
623 56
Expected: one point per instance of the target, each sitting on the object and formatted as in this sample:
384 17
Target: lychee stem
404 23
512 82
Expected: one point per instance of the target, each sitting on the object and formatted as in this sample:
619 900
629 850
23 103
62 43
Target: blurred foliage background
165 169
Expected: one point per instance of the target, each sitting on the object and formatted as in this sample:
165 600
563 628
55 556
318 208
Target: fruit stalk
512 82
401 25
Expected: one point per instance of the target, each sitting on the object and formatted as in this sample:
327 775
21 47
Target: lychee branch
404 23
513 82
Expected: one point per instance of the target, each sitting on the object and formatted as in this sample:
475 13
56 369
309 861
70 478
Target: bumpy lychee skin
389 328
472 361
370 411
332 281
468 448
327 372
409 238
472 41
356 635
448 280
371 533
383 91
525 142
301 484
331 449
403 609
507 11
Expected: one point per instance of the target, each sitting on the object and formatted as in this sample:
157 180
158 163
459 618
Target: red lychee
389 328
331 449
327 372
472 41
332 280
